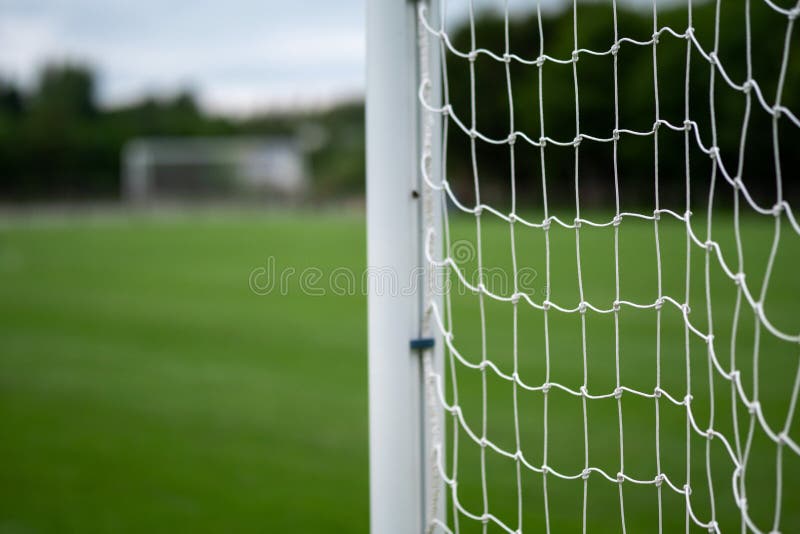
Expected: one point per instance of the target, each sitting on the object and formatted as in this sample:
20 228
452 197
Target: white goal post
400 464
716 368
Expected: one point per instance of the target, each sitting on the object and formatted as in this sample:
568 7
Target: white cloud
239 54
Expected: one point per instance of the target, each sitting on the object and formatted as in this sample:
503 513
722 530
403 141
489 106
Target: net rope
438 194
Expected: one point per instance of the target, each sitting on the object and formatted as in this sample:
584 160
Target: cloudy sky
237 55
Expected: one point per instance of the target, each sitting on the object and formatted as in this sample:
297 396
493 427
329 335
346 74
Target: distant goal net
608 327
179 170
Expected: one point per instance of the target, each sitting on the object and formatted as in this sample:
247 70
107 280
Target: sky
237 56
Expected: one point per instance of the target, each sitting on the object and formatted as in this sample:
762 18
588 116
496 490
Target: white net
661 395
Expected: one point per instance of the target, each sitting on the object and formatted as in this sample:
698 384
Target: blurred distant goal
195 169
582 406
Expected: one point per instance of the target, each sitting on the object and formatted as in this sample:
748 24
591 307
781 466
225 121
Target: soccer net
158 170
613 280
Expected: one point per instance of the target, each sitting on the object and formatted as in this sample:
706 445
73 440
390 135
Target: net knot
446 110
709 245
615 134
618 393
686 309
616 220
783 438
656 125
687 125
577 222
687 400
614 48
656 36
512 218
737 183
659 480
777 111
515 298
777 209
743 503
657 392
512 138
546 305
656 215
473 133
472 56
659 303
709 339
794 13
584 392
577 141
747 86
739 279
712 526
483 442
616 306
543 141
687 490
545 469
753 407
540 61
546 387
709 434
582 307
546 224
506 58
575 56
713 152
620 478
712 57
477 210
585 473
689 33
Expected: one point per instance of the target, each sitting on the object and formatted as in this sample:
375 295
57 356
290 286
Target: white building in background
213 168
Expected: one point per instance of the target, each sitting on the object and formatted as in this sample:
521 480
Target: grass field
144 387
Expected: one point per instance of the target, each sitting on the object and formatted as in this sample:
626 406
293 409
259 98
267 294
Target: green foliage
338 163
56 142
637 110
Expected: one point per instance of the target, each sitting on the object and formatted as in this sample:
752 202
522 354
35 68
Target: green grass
145 388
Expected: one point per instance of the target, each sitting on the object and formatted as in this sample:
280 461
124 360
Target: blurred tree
11 100
56 140
636 103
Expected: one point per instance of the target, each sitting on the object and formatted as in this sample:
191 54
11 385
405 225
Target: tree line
635 105
57 142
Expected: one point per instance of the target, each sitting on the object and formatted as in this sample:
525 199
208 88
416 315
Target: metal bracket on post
422 343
